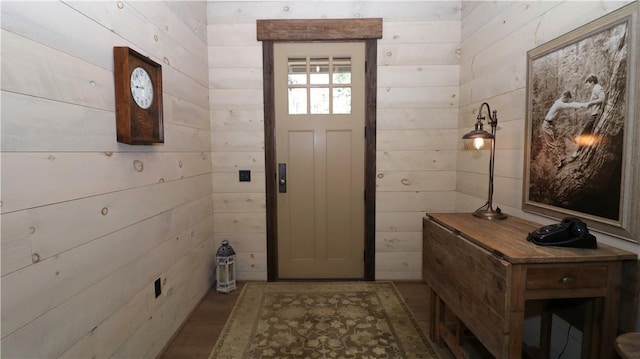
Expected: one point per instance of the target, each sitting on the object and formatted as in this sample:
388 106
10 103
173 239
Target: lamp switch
244 175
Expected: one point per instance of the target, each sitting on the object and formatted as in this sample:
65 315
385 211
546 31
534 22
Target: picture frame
582 132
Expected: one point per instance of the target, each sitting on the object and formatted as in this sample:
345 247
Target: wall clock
138 95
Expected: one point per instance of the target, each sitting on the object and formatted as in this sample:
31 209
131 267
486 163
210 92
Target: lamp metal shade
478 134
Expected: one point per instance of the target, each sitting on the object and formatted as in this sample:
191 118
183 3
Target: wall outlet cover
158 287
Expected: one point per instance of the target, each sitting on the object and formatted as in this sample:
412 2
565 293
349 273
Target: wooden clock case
136 125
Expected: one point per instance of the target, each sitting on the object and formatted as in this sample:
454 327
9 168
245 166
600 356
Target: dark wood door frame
307 30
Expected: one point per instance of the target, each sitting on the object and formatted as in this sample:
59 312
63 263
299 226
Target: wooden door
320 153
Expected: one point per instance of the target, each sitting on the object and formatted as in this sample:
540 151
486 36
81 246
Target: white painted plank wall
84 234
418 77
88 224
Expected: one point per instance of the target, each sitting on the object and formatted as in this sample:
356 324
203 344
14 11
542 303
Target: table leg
545 330
433 297
440 318
608 309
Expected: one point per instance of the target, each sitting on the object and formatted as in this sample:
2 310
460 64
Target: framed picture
582 138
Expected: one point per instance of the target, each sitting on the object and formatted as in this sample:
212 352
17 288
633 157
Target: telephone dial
571 232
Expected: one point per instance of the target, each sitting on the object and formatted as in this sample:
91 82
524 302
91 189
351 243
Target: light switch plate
244 175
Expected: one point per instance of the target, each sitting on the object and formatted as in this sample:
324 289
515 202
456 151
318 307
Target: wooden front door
320 156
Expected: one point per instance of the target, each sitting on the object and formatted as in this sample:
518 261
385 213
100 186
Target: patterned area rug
321 320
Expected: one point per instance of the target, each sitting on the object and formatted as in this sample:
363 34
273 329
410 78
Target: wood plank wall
418 75
89 224
84 235
495 39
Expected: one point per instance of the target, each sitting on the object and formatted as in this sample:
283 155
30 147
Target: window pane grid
319 85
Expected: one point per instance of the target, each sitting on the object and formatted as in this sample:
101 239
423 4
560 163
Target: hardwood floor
199 334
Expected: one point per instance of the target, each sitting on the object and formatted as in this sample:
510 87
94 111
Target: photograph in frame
581 109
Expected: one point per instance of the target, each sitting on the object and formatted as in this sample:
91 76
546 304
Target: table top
628 345
507 239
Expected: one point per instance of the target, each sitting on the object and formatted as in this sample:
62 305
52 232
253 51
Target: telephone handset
571 232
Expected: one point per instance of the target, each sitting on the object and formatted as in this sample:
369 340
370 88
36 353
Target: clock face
141 87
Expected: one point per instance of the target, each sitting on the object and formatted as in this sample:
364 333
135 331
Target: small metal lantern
225 268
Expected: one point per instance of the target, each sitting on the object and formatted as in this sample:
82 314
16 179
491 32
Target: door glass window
297 101
319 100
297 71
342 100
319 71
341 70
319 85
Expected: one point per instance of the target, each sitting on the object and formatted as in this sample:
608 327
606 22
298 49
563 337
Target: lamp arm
493 122
491 168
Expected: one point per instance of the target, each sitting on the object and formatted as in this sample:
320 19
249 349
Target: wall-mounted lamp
478 135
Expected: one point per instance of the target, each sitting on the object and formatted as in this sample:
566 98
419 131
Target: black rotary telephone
571 232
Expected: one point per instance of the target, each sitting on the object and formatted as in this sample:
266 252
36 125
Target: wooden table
485 270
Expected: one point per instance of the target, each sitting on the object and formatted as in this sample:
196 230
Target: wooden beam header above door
319 29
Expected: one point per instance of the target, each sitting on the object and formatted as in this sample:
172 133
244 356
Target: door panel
319 103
